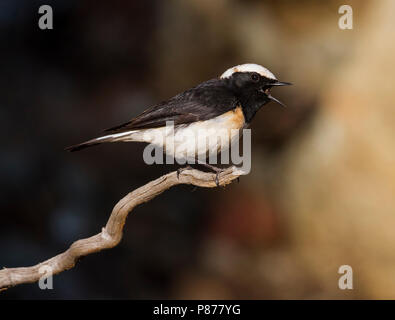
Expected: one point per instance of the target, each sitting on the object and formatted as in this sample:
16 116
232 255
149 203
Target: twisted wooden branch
111 234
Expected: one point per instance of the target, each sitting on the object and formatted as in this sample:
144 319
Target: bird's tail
97 141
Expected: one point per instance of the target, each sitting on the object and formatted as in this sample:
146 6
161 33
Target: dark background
105 62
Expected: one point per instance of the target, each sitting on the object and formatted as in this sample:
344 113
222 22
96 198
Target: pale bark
111 234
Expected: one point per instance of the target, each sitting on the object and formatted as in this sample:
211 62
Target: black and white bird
222 105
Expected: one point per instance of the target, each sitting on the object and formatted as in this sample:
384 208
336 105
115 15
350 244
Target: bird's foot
218 171
213 168
180 170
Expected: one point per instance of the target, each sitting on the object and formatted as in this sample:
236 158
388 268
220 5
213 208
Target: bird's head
253 80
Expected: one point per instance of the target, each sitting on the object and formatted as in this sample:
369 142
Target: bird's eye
254 77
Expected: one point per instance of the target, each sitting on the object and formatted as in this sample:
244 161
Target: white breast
194 140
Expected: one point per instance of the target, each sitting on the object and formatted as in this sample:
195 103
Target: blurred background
321 192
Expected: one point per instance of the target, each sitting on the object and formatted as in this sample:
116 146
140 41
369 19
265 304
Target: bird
226 104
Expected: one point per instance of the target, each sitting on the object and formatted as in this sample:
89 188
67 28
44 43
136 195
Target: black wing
205 101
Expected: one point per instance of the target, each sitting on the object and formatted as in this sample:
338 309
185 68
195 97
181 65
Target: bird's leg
213 168
180 170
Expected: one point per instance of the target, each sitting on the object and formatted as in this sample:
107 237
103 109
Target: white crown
249 67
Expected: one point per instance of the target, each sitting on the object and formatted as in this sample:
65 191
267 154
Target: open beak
277 84
275 100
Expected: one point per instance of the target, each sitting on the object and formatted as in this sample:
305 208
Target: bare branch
111 234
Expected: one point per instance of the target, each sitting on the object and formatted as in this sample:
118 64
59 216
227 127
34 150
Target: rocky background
321 192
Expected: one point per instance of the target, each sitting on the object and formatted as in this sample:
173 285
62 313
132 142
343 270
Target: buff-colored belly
195 140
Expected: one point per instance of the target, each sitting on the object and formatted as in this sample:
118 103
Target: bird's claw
217 179
180 170
217 173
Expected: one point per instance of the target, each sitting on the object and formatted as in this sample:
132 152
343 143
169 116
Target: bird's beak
275 100
278 84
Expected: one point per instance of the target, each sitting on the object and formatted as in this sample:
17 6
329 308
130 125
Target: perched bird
215 106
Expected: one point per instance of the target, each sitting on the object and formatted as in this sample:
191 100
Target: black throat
250 103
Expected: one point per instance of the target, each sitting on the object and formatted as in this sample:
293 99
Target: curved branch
111 234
